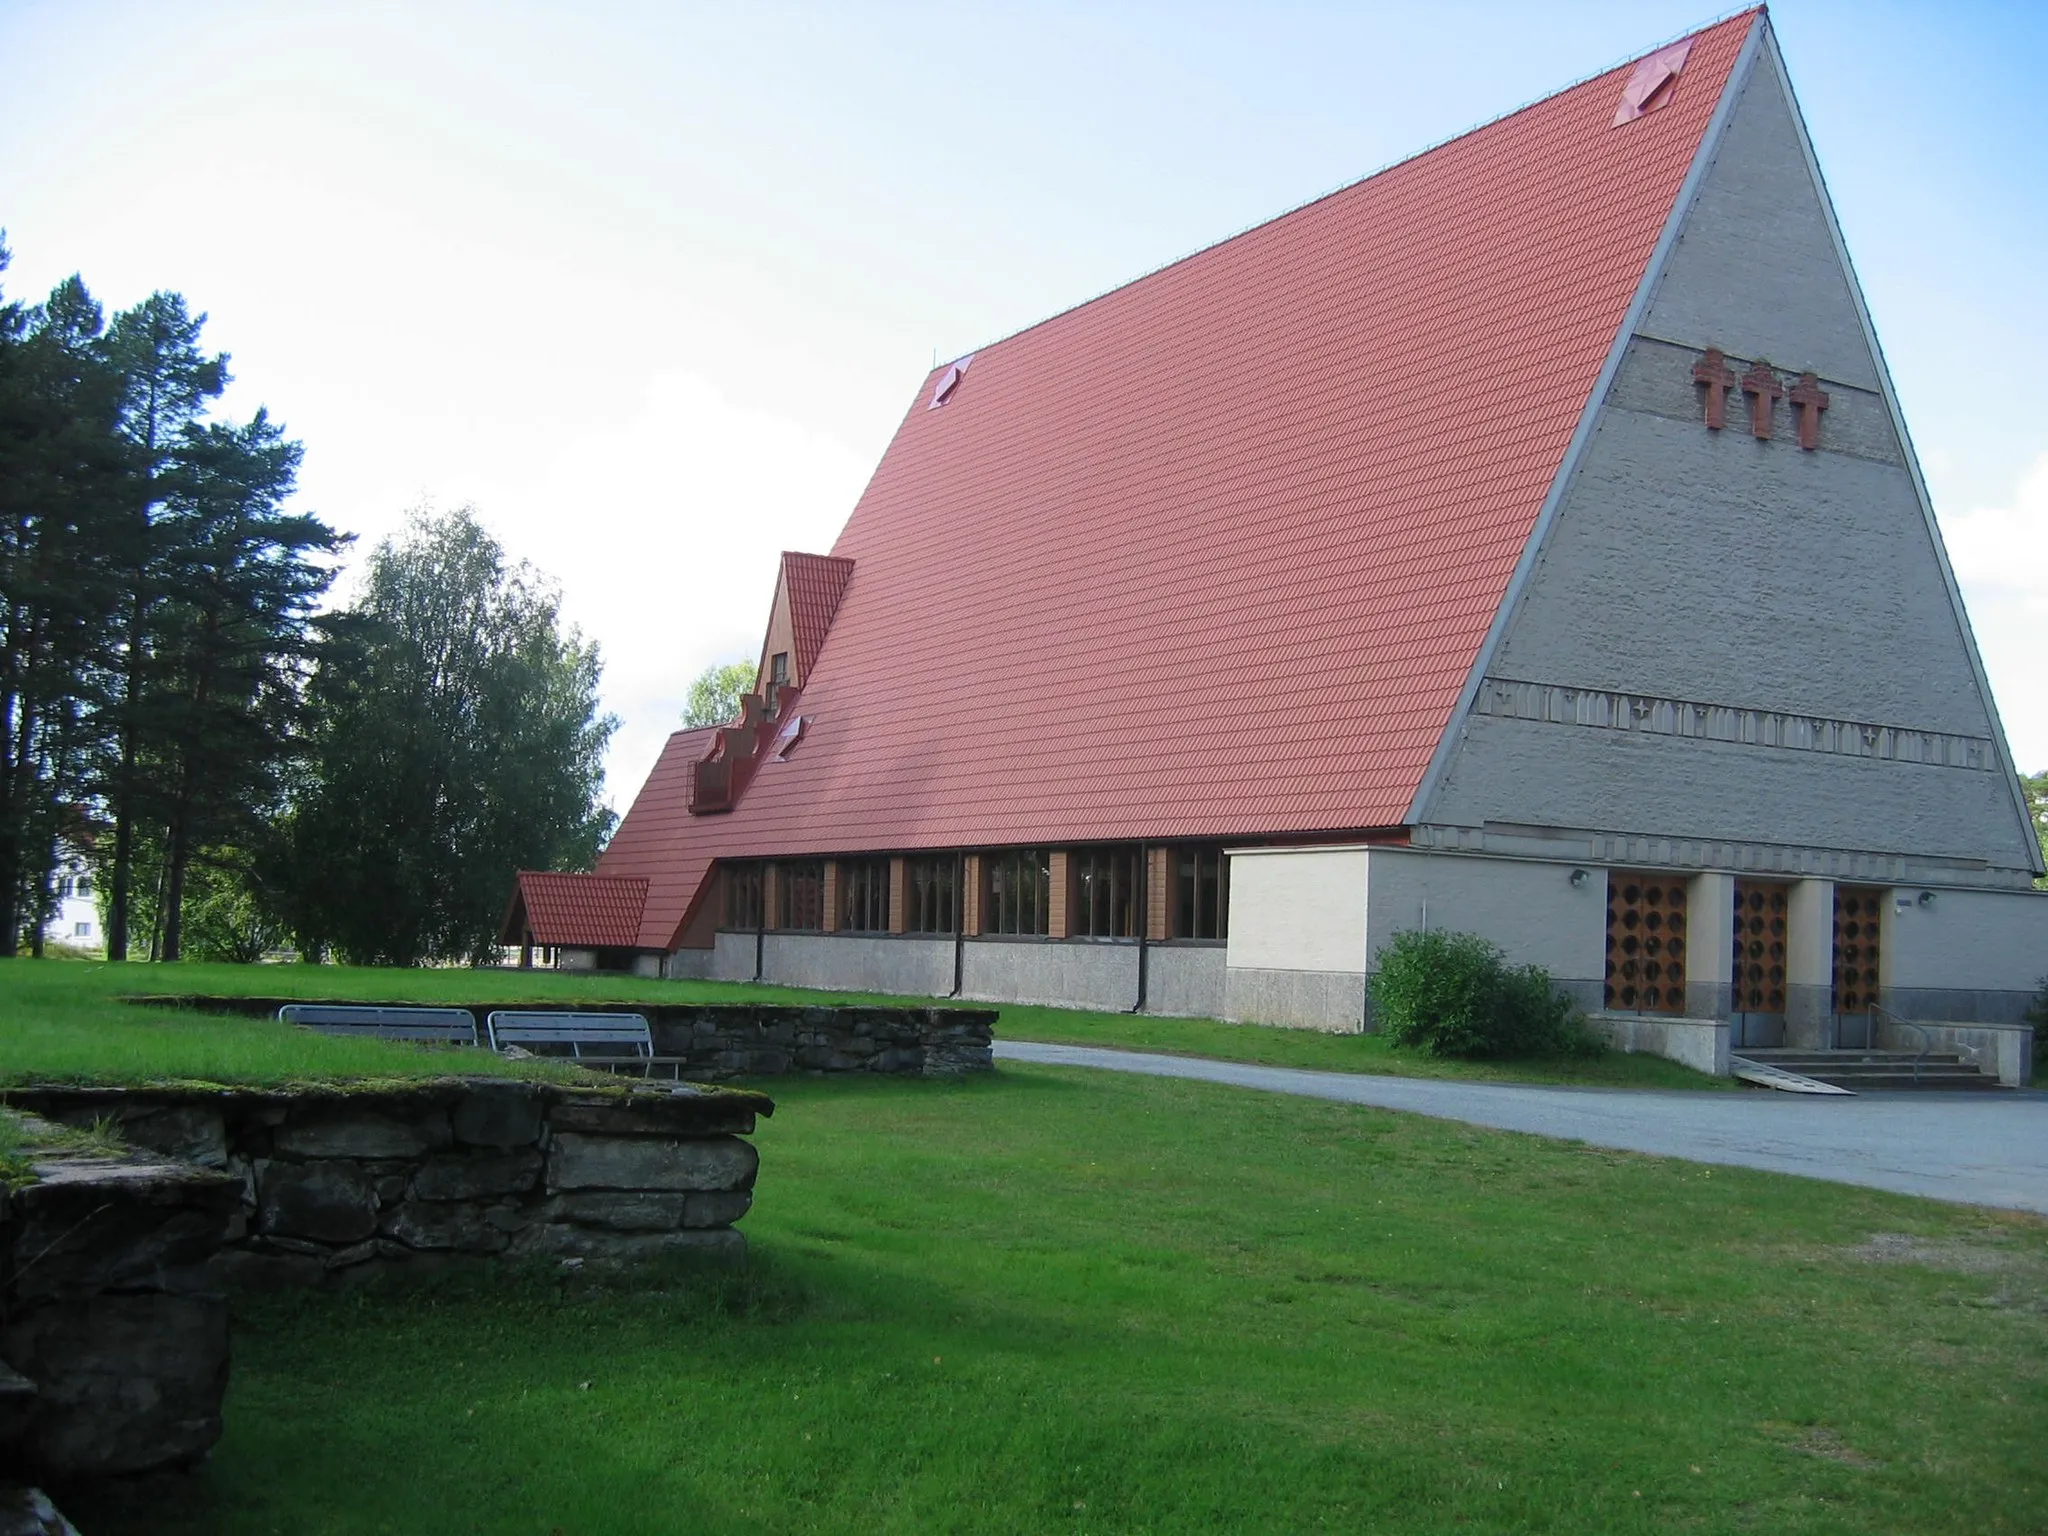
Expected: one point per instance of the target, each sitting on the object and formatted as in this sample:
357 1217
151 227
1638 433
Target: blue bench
427 1026
610 1040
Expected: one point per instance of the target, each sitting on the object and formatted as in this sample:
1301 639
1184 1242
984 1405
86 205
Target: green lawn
1060 1300
43 1005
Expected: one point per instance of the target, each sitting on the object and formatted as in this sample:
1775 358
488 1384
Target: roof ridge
1755 9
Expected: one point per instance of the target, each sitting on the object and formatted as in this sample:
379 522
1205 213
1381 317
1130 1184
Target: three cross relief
1764 389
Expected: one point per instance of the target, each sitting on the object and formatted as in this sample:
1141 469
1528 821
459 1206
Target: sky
650 286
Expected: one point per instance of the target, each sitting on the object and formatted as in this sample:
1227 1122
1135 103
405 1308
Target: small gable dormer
807 593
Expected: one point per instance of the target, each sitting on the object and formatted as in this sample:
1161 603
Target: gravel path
1969 1148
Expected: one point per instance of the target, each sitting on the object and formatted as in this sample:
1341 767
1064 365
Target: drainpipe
1144 925
959 922
761 931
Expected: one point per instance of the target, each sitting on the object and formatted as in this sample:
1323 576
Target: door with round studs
1757 968
1859 914
1645 943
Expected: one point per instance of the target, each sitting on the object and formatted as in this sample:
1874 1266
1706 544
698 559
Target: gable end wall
1711 573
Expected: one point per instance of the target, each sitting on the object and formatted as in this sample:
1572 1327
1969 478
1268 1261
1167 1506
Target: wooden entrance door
1756 975
1859 914
1645 943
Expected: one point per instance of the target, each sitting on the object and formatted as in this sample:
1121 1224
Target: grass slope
43 1005
1054 1300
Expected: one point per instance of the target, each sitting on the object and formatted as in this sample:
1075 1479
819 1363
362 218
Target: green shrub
1454 994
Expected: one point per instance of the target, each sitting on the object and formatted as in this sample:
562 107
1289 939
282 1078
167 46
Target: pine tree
239 580
65 479
168 381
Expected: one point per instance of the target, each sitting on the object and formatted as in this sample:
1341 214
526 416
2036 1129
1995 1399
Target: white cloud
663 526
2000 556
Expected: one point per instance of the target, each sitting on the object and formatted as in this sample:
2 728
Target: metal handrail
1926 1039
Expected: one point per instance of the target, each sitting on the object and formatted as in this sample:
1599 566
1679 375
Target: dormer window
778 670
949 381
1653 83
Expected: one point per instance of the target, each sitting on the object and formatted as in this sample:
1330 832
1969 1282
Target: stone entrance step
1870 1071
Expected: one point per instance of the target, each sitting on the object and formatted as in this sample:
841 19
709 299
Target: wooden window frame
1104 893
863 896
1016 893
931 895
746 899
800 896
1199 879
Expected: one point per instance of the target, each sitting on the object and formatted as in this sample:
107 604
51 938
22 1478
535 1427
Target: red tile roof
1212 555
582 911
815 584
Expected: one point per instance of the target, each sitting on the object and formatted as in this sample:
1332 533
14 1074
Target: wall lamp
1926 899
1578 878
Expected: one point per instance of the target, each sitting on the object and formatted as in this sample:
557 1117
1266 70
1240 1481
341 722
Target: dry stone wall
115 1265
113 1328
332 1178
713 1042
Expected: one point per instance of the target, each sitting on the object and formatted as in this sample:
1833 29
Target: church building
1524 540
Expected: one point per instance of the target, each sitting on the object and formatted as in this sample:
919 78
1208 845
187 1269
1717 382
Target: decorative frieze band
1554 704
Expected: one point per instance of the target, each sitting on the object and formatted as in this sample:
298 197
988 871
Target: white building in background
76 922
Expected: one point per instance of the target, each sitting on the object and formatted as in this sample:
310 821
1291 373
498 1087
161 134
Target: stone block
257 1269
100 1224
29 1512
497 1115
475 1175
674 1112
192 1133
346 1130
333 1201
637 1162
126 1384
456 1228
716 1208
562 1240
621 1210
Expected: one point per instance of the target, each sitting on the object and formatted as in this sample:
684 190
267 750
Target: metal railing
1926 1039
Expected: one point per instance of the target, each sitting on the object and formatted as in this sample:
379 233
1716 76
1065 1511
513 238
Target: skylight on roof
791 733
1653 83
949 381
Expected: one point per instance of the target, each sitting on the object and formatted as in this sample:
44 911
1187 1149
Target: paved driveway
1971 1148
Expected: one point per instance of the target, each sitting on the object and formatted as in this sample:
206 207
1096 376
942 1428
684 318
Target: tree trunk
124 797
174 890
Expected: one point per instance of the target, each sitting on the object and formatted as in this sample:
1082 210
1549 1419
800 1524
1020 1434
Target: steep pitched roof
593 911
814 584
1213 554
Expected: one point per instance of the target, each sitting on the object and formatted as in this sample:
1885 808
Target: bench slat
448 1026
534 1027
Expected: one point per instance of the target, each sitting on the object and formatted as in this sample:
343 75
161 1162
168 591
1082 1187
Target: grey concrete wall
1701 1044
1561 776
1712 567
1953 1005
1066 974
1330 1000
901 966
1182 980
1755 271
2006 1052
1695 568
1966 941
732 957
1531 910
1185 980
691 965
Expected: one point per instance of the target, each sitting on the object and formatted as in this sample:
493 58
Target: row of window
1104 894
